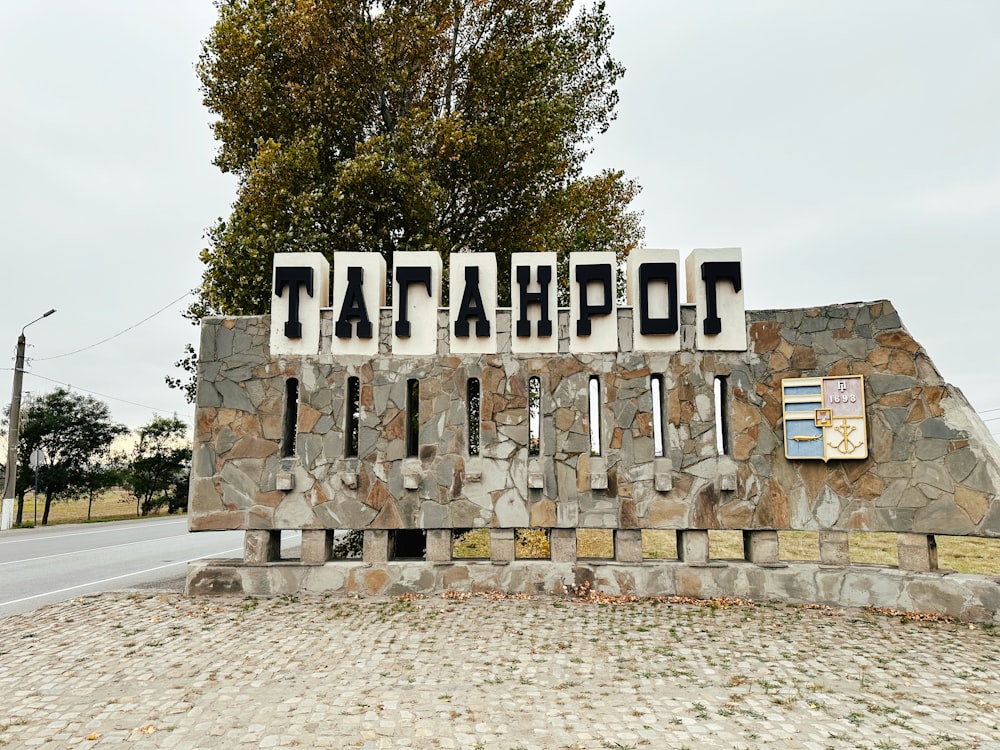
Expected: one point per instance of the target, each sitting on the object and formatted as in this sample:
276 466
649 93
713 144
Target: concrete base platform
966 597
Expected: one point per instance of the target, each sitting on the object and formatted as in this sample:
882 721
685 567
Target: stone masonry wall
932 466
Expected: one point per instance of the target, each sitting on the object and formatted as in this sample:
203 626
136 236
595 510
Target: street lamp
13 433
38 458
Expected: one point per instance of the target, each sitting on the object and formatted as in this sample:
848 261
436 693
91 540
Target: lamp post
13 433
37 458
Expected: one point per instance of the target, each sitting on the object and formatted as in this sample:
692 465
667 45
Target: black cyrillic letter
405 276
354 307
649 272
293 277
472 306
584 275
540 297
712 273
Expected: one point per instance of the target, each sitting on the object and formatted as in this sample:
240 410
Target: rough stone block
536 476
917 552
567 514
975 598
760 547
562 545
411 473
598 473
438 545
833 548
727 474
261 546
375 548
502 545
317 546
349 478
628 545
473 469
284 481
692 546
663 475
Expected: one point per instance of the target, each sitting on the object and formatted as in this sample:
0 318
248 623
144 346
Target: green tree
104 474
159 464
384 125
75 432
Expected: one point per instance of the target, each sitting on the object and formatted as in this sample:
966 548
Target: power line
113 398
109 338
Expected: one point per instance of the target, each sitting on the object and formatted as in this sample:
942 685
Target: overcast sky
849 148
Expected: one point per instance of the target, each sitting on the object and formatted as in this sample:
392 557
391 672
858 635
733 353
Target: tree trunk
90 503
20 508
48 504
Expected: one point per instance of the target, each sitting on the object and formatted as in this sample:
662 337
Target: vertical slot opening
721 417
656 392
353 426
594 420
534 415
473 401
291 417
412 417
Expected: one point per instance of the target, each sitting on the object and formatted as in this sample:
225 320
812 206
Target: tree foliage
384 125
75 432
158 469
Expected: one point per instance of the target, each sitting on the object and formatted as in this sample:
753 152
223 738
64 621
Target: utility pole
13 432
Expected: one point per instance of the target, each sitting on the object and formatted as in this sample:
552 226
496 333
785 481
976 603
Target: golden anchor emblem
845 445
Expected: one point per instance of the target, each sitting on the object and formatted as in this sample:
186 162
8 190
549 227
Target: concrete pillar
562 545
692 546
917 552
760 547
261 546
502 546
375 548
317 546
628 545
438 545
833 548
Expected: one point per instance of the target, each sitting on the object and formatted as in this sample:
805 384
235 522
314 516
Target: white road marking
91 584
93 549
114 578
36 537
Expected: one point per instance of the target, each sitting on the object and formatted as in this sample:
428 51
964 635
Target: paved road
155 670
43 565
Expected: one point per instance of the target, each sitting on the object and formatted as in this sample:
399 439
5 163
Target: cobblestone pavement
159 670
